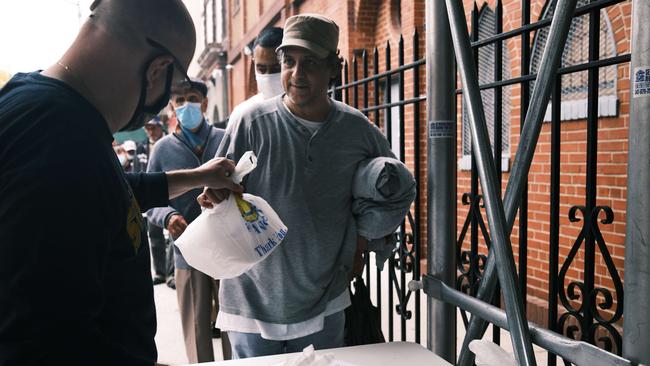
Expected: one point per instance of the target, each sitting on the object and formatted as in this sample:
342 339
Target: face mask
190 115
122 159
144 113
269 85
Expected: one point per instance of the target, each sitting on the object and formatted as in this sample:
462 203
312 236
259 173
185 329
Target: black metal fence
386 108
584 311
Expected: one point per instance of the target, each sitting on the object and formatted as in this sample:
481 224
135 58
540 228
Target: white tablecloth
382 354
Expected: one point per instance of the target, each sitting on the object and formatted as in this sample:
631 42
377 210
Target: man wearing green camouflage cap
308 148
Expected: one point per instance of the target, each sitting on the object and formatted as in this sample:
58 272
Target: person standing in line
194 142
161 254
267 70
308 147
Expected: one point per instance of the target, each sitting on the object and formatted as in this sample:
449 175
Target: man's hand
358 262
211 197
176 225
216 174
213 174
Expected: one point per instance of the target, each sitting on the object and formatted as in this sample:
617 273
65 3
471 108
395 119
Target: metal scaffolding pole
490 187
575 352
636 335
550 62
441 163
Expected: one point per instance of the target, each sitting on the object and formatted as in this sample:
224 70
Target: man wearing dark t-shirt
75 280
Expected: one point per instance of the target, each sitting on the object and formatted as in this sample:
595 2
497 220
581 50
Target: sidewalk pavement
169 337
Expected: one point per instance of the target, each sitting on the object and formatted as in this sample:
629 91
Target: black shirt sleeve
150 189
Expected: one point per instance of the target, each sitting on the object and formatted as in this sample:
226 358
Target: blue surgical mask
190 115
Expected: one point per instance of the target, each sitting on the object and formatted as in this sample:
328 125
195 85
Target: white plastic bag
308 357
229 239
490 354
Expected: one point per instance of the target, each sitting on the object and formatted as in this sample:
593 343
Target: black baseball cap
192 84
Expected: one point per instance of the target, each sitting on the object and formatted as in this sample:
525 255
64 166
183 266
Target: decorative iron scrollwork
470 263
588 319
403 260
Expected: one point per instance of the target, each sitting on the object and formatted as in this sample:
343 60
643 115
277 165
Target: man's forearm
181 181
213 174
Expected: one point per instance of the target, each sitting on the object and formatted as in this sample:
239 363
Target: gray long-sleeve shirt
307 179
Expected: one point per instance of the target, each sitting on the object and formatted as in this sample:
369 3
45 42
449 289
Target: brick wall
252 12
235 27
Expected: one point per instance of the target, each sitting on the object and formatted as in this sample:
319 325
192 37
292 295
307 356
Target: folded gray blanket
383 190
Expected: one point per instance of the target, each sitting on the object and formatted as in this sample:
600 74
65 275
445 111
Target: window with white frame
395 122
486 74
211 17
575 85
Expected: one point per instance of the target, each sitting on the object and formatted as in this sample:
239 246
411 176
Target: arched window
486 74
576 51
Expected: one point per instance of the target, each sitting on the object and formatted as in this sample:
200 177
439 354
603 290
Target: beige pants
196 292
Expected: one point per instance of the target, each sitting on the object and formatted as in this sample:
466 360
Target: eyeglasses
180 79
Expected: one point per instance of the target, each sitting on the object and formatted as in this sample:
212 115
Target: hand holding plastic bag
229 239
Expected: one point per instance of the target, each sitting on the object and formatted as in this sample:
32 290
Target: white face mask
269 85
122 159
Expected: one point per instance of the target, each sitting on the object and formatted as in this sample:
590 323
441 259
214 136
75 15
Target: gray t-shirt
310 125
307 179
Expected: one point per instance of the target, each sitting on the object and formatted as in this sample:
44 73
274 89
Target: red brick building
374 23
